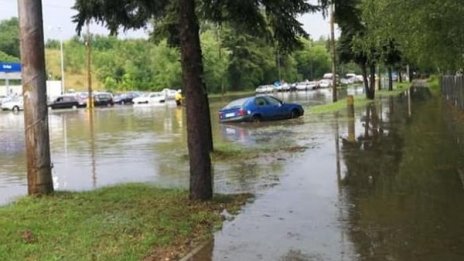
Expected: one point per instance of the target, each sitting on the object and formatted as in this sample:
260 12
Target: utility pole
39 169
334 54
89 70
278 65
63 89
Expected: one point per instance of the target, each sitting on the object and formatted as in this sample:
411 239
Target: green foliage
167 69
232 61
216 61
434 32
312 61
9 37
8 58
52 44
251 60
427 34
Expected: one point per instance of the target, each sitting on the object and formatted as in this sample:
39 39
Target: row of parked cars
100 99
325 82
69 100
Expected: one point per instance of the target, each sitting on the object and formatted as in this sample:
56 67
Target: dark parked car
259 108
125 98
65 102
99 99
103 99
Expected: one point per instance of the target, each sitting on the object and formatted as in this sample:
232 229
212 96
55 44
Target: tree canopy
282 22
9 39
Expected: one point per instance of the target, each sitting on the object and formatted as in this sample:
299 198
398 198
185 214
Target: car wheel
256 118
122 103
294 114
15 109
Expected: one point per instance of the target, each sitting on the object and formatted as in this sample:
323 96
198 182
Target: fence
452 89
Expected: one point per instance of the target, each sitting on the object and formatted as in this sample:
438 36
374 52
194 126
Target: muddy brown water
383 185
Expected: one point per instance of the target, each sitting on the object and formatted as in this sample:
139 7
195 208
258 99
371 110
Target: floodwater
122 144
382 185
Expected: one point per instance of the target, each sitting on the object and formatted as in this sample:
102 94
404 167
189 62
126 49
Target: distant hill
74 79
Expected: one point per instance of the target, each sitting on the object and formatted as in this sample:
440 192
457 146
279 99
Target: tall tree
349 19
9 37
391 55
244 13
39 176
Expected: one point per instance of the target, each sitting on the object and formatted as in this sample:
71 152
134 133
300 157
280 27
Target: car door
263 108
58 103
70 102
275 107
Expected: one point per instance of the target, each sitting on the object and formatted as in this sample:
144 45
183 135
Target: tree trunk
334 54
39 174
365 79
390 78
210 131
198 118
400 75
371 90
379 79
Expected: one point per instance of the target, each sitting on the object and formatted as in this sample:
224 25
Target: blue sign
10 67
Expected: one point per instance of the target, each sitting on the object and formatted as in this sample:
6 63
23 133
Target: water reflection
127 144
392 193
401 185
376 185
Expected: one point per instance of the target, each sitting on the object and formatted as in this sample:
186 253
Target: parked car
3 98
169 94
306 85
150 98
65 102
13 104
125 98
99 99
325 83
259 108
102 99
266 88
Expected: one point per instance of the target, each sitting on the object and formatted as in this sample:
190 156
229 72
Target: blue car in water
259 108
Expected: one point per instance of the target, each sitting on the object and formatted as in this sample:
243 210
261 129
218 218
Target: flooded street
123 144
382 185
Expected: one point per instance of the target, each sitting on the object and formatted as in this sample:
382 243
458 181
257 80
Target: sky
57 21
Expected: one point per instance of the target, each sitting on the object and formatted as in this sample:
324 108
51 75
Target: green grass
434 83
359 100
126 222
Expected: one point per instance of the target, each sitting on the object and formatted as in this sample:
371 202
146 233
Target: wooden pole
334 54
89 69
39 175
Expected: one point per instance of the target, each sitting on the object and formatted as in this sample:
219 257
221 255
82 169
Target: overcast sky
57 20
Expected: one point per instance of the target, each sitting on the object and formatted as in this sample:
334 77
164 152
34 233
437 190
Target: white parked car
14 104
150 98
325 83
265 88
307 85
170 94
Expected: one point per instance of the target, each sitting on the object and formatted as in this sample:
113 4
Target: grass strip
124 222
359 100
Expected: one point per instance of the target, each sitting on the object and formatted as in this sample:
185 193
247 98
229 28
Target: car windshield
236 104
273 100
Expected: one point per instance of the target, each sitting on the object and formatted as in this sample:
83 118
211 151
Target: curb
194 251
